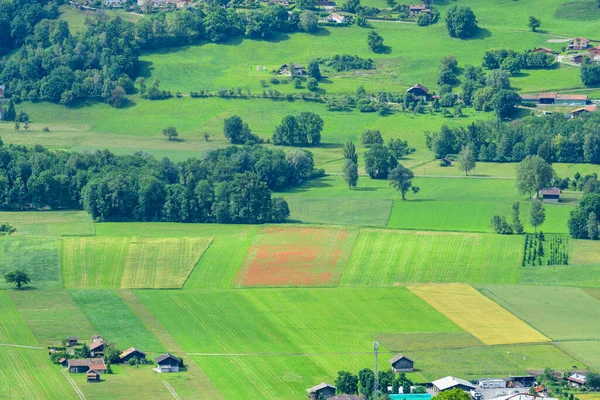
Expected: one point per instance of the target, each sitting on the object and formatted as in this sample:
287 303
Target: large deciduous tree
379 161
401 179
537 214
533 175
466 159
461 22
350 173
346 383
350 152
19 278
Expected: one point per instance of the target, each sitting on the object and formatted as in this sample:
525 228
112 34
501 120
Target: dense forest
552 137
230 185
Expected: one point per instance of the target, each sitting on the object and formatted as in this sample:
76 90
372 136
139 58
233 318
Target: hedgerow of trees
230 185
552 137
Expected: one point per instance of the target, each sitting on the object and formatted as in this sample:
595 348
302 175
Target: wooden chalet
401 363
322 390
83 365
578 44
130 353
72 341
418 91
550 195
97 348
92 376
167 363
584 110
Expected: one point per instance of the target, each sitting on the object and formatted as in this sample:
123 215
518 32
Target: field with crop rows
477 314
38 257
387 258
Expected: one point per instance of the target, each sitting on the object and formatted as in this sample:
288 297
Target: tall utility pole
376 378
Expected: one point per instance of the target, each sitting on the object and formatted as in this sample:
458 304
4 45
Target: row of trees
537 216
299 130
552 137
231 185
512 61
364 383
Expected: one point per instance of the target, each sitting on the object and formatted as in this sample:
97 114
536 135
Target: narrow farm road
173 392
78 391
21 346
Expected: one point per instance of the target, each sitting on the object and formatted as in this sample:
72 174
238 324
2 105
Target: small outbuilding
130 353
445 162
576 380
322 390
63 362
450 382
92 376
543 50
97 348
584 110
167 363
550 195
401 363
418 90
72 341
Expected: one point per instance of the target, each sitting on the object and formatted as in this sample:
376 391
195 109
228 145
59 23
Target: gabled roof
417 7
398 357
450 382
577 378
418 86
590 108
96 344
320 386
542 50
72 338
551 191
93 363
131 350
165 356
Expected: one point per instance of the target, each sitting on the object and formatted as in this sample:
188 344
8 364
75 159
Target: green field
357 212
111 263
551 309
49 223
587 351
38 257
389 258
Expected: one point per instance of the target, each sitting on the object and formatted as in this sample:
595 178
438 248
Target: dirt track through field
78 391
21 346
173 392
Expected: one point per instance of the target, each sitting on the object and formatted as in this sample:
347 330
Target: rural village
292 199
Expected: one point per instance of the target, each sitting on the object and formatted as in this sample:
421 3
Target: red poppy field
297 257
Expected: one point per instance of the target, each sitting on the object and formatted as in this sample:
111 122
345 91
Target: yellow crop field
161 262
477 314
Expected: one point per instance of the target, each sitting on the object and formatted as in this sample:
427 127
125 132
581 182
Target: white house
451 382
336 18
576 380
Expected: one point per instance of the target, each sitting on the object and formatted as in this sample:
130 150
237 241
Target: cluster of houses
94 366
511 388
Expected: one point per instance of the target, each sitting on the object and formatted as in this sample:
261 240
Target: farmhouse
451 382
550 195
167 363
324 390
578 44
584 110
416 9
401 363
543 50
335 18
72 341
82 365
297 70
92 376
132 352
556 98
576 380
418 90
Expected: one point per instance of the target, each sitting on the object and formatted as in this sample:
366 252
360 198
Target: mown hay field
297 256
586 350
551 309
36 256
286 338
114 320
136 262
13 328
27 374
49 223
357 212
386 258
477 314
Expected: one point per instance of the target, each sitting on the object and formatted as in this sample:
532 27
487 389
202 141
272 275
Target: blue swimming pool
420 396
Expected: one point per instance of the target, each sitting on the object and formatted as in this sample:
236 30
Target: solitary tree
236 130
350 152
401 180
350 173
375 41
170 132
534 23
466 159
592 225
537 214
313 70
461 22
19 278
533 174
517 225
206 136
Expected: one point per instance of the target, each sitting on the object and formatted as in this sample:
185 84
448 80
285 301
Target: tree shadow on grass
367 189
482 33
321 32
